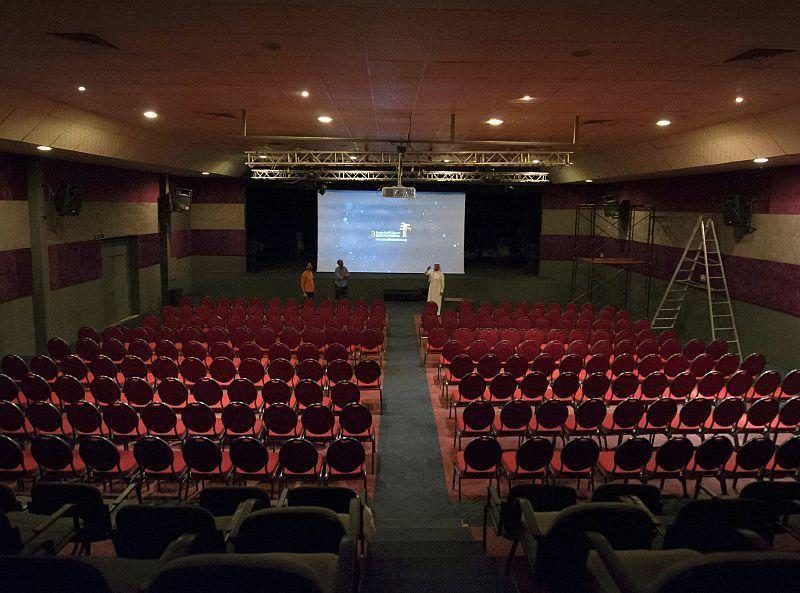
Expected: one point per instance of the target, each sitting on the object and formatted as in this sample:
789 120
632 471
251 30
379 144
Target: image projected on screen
375 234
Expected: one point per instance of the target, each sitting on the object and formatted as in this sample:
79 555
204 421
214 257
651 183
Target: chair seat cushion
313 471
127 463
509 462
225 467
642 566
178 464
268 470
29 467
559 469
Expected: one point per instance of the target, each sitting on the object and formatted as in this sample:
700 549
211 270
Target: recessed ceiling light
82 89
526 98
44 148
760 159
304 94
262 156
494 121
353 157
589 180
739 99
663 123
204 173
326 119
536 161
446 160
150 114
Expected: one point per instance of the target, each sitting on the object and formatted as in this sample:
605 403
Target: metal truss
330 175
340 158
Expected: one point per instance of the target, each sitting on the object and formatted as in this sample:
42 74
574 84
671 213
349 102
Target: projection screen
375 234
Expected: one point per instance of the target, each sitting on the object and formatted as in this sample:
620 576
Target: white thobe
435 287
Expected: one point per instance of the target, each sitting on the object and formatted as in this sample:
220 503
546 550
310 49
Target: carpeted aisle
423 541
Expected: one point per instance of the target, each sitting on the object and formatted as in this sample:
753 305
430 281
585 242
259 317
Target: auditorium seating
607 398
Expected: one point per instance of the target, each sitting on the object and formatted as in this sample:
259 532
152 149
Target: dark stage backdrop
502 225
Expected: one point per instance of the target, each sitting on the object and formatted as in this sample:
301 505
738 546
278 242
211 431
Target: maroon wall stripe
103 184
13 177
16 274
556 247
74 263
214 190
219 242
567 196
149 250
181 243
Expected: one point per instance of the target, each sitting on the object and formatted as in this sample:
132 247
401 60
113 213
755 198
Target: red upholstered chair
513 420
788 420
675 365
102 366
355 421
221 350
754 363
194 349
57 348
199 419
339 370
502 388
533 387
790 386
712 384
192 370
114 349
317 423
44 366
570 363
9 390
73 366
13 422
476 420
276 391
649 364
105 390
16 463
659 417
692 417
35 388
749 461
437 338
239 419
516 366
137 392
576 461
158 461
786 461
345 459
344 393
694 348
709 458
251 350
681 388
205 461
123 423
529 349
84 418
371 344
627 461
105 461
767 384
759 417
87 349
308 392
46 419
161 420
727 364
173 393
598 363
479 460
566 385
549 419
251 460
488 366
68 390
529 462
56 459
587 419
725 417
209 392
299 460
310 370
166 349
739 384
279 350
623 386
369 377
461 366
252 370
164 368
243 391
669 461
645 348
654 386
624 419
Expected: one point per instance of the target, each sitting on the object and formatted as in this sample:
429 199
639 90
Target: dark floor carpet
423 541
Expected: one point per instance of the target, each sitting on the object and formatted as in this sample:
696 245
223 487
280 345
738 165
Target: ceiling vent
759 54
85 38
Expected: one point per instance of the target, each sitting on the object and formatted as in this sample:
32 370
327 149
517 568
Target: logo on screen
395 236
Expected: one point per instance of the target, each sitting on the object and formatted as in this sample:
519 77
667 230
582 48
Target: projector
398 191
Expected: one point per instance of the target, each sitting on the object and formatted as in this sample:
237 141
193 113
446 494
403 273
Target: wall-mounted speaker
181 200
68 199
737 213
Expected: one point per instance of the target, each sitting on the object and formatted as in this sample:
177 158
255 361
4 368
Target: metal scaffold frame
330 175
606 236
273 159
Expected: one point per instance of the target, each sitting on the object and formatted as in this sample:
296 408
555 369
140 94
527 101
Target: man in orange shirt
307 282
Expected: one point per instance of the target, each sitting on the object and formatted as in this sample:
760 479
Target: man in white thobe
435 285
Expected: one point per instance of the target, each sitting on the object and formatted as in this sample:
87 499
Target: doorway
120 279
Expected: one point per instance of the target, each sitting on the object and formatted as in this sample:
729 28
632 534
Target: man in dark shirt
341 274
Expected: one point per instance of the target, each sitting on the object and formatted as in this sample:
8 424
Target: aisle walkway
423 542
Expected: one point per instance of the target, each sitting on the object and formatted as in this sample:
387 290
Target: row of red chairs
634 458
196 458
559 419
554 320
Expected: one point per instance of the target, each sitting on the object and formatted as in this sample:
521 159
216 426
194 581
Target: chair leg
485 524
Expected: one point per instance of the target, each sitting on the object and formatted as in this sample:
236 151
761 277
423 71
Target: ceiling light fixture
353 157
739 99
663 123
150 114
82 89
526 98
44 148
325 119
536 161
494 121
304 94
760 160
205 173
589 180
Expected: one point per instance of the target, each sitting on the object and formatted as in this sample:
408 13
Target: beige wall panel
113 219
149 288
16 327
217 216
205 264
558 221
75 306
14 225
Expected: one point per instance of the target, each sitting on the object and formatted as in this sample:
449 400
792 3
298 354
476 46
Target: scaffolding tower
613 249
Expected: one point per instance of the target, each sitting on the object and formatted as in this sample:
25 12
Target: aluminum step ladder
701 267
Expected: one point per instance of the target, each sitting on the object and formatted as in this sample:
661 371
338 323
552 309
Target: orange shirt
307 281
